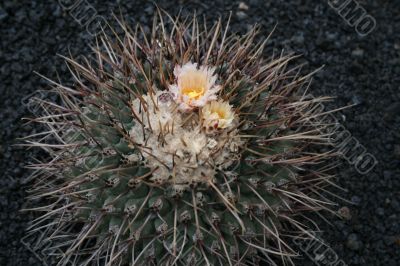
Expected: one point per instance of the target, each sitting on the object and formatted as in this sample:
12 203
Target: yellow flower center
193 84
217 114
193 92
221 113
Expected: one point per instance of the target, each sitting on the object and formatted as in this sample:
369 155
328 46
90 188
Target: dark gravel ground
358 70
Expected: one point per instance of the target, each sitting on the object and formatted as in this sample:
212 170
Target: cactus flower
194 87
217 115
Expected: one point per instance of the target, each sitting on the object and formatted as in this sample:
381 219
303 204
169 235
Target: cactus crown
182 146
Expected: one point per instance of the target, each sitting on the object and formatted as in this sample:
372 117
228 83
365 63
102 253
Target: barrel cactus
182 146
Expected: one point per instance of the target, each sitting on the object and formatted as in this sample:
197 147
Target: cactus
184 146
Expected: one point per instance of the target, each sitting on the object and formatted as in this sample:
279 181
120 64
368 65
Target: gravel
364 71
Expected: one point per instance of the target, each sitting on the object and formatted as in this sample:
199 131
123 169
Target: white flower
217 115
194 86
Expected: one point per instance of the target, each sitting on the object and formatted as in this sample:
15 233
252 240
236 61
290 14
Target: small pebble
243 6
356 200
344 212
353 242
380 211
357 52
356 100
241 15
3 14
